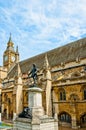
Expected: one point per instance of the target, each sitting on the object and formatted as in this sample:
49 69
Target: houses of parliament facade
61 75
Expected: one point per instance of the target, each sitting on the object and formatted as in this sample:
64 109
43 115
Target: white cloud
50 23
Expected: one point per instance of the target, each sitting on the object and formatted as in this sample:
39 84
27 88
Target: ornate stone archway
64 119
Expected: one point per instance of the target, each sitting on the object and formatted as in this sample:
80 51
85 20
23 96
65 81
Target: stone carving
26 113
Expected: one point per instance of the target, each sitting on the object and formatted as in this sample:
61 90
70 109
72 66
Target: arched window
62 94
85 94
65 117
9 101
83 90
83 118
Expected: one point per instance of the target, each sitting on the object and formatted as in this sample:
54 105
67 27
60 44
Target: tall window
83 90
84 94
83 118
26 97
5 97
62 95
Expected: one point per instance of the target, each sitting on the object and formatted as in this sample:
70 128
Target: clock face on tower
13 58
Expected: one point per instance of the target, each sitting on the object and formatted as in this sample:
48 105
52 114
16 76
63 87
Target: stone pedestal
39 121
35 97
35 102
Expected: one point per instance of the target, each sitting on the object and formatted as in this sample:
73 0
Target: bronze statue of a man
33 73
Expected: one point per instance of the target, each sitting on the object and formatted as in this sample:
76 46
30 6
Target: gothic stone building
61 75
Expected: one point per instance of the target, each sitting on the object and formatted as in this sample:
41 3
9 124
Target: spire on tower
17 49
10 40
17 54
10 43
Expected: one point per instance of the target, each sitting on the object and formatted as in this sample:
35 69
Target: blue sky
41 25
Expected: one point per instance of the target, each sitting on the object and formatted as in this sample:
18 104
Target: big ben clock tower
10 55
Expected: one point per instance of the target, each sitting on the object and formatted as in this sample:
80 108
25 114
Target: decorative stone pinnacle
46 63
16 49
10 40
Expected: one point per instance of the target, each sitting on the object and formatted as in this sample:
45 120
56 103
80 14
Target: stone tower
10 56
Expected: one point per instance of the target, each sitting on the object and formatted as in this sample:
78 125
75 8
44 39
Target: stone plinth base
22 124
43 123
